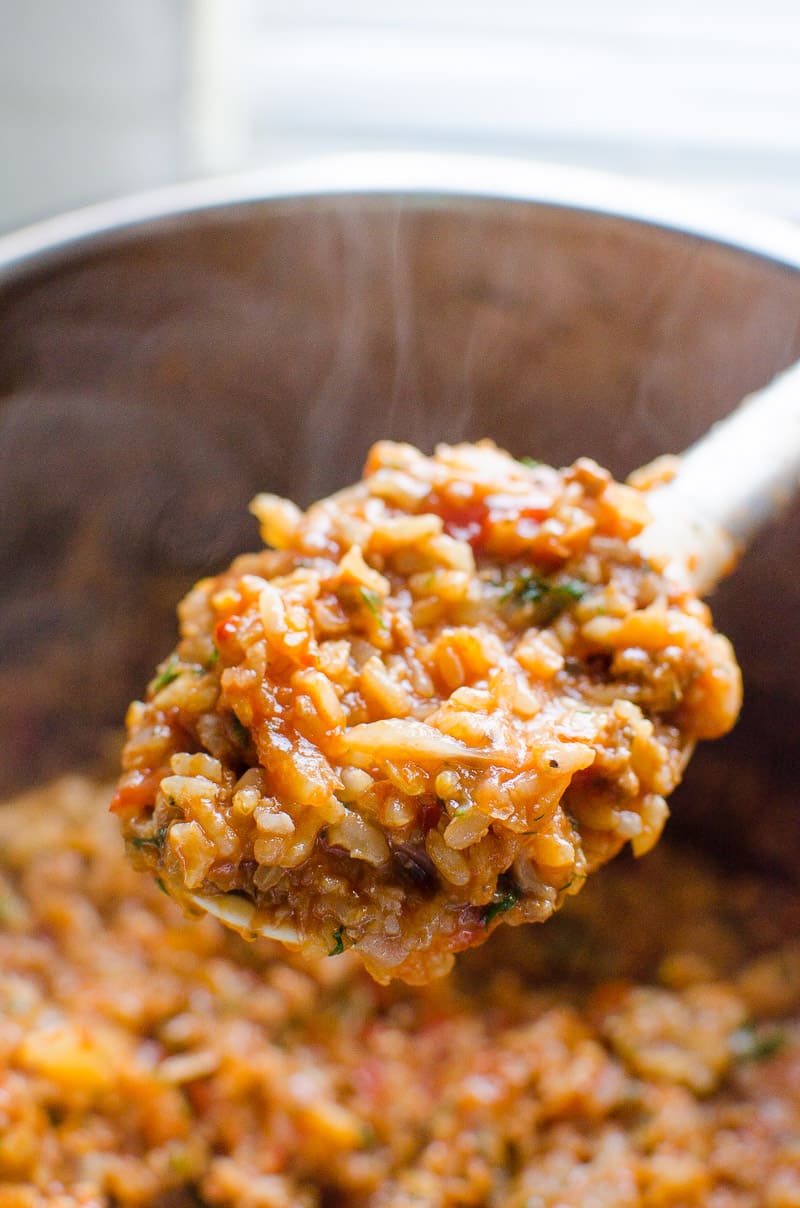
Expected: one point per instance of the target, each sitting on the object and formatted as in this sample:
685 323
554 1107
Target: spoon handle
729 485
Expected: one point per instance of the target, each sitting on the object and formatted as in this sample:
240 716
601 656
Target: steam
347 255
671 297
406 391
412 335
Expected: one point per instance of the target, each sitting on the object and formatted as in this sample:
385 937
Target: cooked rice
643 1049
445 697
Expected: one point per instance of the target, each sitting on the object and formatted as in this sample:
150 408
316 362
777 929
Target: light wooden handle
734 481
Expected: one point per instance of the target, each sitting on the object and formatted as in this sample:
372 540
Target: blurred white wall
92 101
101 98
697 92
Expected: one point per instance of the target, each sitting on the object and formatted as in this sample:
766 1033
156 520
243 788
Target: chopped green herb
544 598
338 941
373 603
767 1046
578 876
181 1163
524 589
157 840
573 589
530 462
212 659
506 897
240 732
169 672
162 886
749 1045
537 818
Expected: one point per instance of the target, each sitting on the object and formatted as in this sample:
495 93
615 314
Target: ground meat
439 701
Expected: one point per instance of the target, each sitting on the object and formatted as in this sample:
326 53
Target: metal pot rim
420 175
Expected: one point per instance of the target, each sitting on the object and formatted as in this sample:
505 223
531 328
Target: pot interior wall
153 380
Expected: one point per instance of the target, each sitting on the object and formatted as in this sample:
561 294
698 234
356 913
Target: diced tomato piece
465 521
136 788
225 630
472 520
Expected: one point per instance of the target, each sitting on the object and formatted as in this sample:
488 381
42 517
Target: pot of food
161 362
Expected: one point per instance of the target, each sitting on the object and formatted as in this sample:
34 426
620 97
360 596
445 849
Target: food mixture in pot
437 703
642 1049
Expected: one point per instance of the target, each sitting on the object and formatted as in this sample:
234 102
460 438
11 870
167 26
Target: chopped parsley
528 588
530 462
505 898
749 1045
338 941
170 671
373 603
240 732
181 1163
157 840
576 876
546 599
537 818
162 886
212 659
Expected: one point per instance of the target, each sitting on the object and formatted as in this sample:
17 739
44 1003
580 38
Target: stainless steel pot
162 359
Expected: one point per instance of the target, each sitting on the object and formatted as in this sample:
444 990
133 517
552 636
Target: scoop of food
437 702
